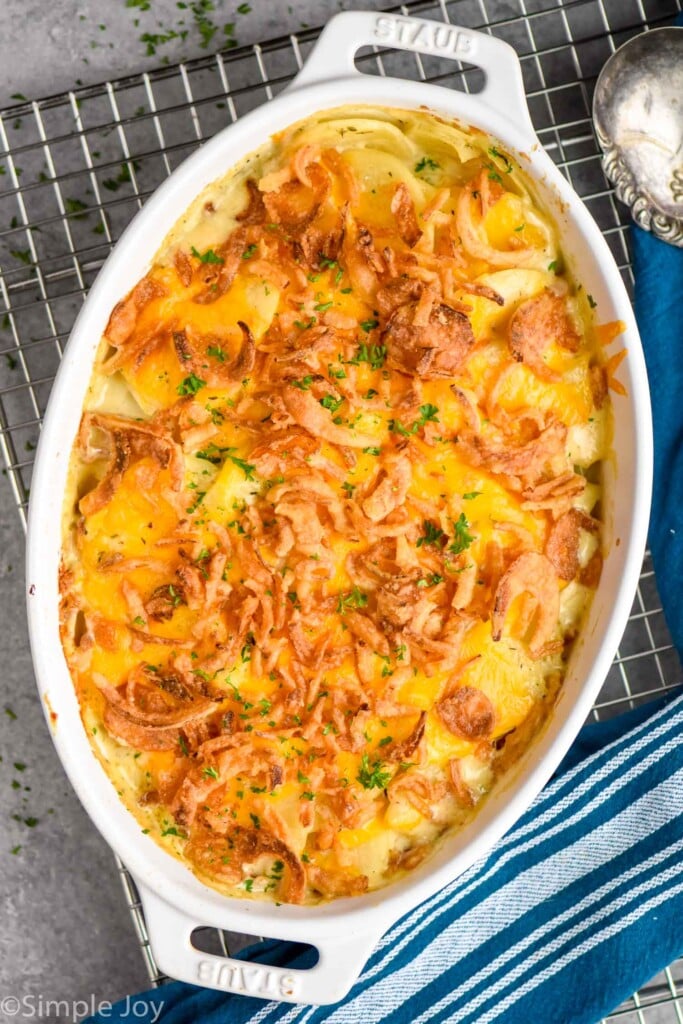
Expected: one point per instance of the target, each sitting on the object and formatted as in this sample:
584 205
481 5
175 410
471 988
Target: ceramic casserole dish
344 931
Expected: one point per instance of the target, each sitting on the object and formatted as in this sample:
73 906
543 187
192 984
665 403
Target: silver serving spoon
638 115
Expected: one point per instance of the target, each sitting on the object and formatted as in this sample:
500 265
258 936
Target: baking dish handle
333 56
341 959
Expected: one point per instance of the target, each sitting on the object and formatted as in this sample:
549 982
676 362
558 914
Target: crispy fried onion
562 546
535 325
533 574
528 462
334 884
226 856
125 314
123 442
403 209
296 203
404 750
191 350
305 409
473 236
390 490
154 710
427 343
467 713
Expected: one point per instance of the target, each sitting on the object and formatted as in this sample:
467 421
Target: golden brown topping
305 409
391 489
467 713
334 884
333 500
436 348
255 210
533 574
125 313
537 324
228 856
562 546
123 442
403 209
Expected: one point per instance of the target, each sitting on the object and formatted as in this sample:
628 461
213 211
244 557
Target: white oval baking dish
345 931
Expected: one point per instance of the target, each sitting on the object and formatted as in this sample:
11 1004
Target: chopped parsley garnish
326 263
428 414
372 451
210 772
304 384
375 355
331 403
501 156
139 621
338 372
216 352
356 599
432 535
206 257
372 776
247 467
471 495
199 498
322 306
191 385
554 267
431 580
250 251
212 453
368 325
217 455
462 537
304 326
172 831
424 163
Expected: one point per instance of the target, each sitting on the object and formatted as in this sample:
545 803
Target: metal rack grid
74 169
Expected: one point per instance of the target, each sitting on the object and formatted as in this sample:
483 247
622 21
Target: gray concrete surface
47 45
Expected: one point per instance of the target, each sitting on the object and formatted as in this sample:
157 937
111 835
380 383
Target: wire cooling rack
76 167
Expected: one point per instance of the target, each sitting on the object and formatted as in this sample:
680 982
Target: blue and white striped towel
578 905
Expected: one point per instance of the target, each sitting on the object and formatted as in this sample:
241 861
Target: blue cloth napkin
658 270
582 902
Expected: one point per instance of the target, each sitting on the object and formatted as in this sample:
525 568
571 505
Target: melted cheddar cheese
331 524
